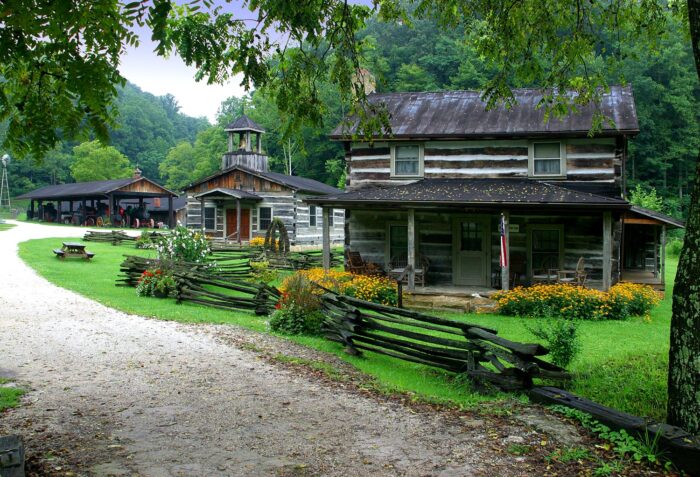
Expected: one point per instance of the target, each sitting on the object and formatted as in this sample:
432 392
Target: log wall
597 159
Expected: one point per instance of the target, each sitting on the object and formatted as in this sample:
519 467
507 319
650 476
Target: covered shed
87 203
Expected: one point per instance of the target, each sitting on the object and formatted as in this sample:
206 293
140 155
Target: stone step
463 303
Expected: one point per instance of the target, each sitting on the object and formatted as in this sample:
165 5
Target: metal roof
661 217
244 123
475 192
293 182
462 114
235 193
87 189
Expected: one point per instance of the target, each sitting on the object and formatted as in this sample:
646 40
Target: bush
298 311
183 245
561 337
674 247
365 287
571 302
145 241
256 241
262 273
155 282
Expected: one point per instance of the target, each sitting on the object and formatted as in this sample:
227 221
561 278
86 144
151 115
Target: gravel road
117 394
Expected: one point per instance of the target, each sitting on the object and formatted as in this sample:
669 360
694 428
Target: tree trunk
684 353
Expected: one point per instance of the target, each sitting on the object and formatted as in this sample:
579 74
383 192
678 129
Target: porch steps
451 302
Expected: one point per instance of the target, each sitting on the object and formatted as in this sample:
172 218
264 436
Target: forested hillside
149 127
177 149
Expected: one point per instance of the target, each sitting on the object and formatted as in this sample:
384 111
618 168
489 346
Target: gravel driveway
117 394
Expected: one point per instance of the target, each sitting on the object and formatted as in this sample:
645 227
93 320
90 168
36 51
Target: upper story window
407 160
312 216
547 159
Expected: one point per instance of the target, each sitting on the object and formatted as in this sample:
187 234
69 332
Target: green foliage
155 282
646 198
298 311
183 245
562 339
571 454
176 169
263 273
95 162
645 450
674 247
9 395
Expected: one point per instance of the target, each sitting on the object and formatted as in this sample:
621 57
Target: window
264 218
398 241
209 218
547 159
546 245
407 160
312 216
331 212
472 237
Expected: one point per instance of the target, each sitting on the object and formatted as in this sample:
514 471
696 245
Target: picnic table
73 250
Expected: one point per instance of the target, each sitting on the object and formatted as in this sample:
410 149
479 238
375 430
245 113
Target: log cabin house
436 189
240 201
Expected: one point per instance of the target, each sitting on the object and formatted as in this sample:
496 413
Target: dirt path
117 394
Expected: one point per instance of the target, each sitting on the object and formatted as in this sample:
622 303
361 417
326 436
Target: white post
505 271
607 250
326 240
412 249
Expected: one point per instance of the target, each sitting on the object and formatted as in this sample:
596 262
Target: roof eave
433 203
519 135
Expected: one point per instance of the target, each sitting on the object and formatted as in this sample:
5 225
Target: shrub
674 247
155 282
298 311
561 337
184 245
571 302
262 272
365 287
256 241
145 241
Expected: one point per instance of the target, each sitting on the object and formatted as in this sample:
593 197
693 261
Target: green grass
6 227
9 396
622 364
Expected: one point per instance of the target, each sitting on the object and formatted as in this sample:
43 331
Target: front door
470 251
231 223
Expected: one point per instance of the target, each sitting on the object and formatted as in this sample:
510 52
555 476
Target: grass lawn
6 226
9 396
622 364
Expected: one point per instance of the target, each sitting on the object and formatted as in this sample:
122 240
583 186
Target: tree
646 198
176 169
95 162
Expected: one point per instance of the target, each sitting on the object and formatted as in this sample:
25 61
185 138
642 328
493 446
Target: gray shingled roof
462 114
293 182
661 217
476 192
244 123
83 189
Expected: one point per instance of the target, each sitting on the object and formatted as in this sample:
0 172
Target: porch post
238 220
41 210
201 210
505 270
58 212
663 255
326 240
171 212
412 249
31 208
656 252
607 250
83 213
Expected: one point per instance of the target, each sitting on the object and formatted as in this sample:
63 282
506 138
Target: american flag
504 245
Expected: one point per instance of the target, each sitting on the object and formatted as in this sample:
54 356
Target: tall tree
95 162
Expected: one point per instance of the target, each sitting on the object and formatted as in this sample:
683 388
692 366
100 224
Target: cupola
245 145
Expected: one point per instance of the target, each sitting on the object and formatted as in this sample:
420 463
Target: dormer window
547 159
407 160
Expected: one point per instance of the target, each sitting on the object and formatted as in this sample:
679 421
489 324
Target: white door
470 251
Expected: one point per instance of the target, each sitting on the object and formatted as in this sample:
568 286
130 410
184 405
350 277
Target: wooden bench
59 253
89 255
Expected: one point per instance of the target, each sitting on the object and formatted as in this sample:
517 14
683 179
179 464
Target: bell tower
245 145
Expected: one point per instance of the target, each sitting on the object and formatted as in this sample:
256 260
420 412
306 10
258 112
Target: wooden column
41 210
58 212
326 239
171 213
607 250
83 213
238 220
411 249
656 252
663 255
505 271
201 209
31 208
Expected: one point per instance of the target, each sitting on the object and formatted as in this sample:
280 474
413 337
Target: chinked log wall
598 159
582 238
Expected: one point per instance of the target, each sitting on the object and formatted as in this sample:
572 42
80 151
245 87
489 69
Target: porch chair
358 265
548 272
400 262
574 277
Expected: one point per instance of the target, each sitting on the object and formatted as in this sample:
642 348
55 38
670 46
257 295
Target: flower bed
365 287
155 282
571 302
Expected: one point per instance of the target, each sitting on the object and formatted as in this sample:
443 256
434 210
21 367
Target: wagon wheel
100 222
136 223
89 222
67 220
152 223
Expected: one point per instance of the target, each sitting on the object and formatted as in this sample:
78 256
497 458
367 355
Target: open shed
87 203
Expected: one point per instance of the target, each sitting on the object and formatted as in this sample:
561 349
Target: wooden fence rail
459 347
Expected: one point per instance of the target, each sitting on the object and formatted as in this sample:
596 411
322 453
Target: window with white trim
264 218
331 212
407 160
547 159
312 216
209 218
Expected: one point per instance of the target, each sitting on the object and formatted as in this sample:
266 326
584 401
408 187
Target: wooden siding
237 179
597 159
143 185
367 234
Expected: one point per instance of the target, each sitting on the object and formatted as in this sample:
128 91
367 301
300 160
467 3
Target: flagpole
504 260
